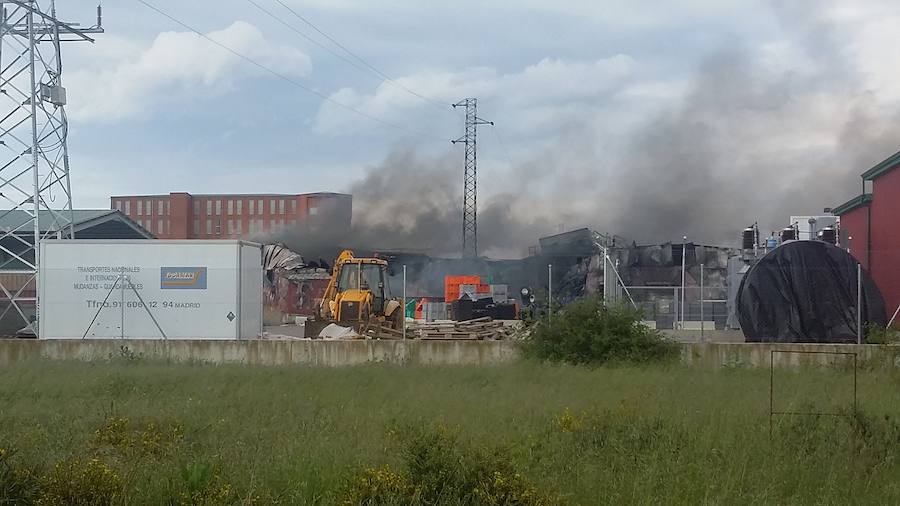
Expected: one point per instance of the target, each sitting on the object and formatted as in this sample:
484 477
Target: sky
648 119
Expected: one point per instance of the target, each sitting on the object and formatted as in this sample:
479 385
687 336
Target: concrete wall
714 355
709 335
340 353
267 352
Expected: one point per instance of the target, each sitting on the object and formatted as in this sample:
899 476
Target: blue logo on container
182 278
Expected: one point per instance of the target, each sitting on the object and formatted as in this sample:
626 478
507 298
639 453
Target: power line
371 67
502 144
284 77
305 36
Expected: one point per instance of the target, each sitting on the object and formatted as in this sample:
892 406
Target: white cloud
176 66
546 91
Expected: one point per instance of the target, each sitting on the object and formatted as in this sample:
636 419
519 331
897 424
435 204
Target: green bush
439 469
876 334
588 331
202 486
18 486
77 482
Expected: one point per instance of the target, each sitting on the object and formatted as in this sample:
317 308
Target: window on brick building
159 208
281 206
230 207
159 227
293 207
196 227
148 207
208 227
209 207
239 205
272 206
218 208
259 206
218 227
127 207
239 226
196 208
250 206
313 211
140 208
168 207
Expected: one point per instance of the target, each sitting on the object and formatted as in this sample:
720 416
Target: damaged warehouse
677 286
648 275
291 287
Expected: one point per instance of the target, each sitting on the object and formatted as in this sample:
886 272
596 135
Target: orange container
452 283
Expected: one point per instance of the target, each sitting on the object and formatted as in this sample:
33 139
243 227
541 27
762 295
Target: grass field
157 433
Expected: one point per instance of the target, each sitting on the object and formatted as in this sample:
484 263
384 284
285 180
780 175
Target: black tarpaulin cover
805 292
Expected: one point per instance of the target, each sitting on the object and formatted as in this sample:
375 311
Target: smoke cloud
752 139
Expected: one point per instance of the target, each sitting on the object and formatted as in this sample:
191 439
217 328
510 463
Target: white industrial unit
807 230
140 289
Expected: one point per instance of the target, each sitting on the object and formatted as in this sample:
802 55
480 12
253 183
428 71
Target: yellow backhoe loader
358 294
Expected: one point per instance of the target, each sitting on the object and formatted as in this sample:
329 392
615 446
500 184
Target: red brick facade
181 215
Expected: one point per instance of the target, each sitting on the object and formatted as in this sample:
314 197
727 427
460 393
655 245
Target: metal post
35 153
549 291
683 269
605 278
404 302
121 282
702 324
677 315
859 304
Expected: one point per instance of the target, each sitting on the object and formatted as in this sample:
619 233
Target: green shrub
587 331
378 486
18 486
200 485
76 482
876 334
154 439
439 469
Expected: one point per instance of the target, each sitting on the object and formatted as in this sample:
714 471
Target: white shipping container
144 289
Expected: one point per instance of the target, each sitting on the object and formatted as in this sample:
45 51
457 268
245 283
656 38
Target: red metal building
181 215
872 223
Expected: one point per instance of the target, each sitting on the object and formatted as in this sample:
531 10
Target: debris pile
478 329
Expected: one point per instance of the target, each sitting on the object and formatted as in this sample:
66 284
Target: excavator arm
326 312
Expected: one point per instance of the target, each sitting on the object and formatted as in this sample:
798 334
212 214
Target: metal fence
668 309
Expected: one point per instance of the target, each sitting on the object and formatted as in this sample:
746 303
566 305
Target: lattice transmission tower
35 192
470 177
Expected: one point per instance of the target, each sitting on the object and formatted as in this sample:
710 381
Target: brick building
870 222
181 215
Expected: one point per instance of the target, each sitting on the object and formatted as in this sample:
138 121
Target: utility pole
34 157
470 177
